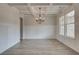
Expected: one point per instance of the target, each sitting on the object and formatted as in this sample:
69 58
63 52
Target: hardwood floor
39 47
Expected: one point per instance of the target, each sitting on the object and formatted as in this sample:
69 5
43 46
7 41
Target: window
70 24
67 25
61 25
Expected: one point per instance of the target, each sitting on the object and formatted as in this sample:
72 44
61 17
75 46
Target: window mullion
65 27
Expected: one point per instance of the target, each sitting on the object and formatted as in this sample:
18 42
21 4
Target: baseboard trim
39 39
9 47
67 46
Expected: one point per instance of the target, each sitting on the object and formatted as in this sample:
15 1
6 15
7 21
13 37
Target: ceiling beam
31 10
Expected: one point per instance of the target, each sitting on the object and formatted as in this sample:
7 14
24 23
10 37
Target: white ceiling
33 8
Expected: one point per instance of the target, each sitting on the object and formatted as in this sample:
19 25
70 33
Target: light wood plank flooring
39 47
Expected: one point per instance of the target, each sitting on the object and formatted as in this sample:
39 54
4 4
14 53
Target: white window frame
67 24
61 25
65 33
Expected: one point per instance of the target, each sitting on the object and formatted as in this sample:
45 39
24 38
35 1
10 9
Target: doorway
21 29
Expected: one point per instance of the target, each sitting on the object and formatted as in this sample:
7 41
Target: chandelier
40 19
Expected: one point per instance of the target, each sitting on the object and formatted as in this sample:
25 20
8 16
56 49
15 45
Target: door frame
21 29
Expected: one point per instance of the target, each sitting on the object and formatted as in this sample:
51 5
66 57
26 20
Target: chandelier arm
39 20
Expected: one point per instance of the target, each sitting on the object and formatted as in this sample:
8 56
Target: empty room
39 29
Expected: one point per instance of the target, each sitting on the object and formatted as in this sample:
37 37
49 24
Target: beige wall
9 27
32 30
72 43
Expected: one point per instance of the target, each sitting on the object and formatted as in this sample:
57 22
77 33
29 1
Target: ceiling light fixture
39 20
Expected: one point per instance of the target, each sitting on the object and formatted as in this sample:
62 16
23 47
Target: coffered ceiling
33 8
